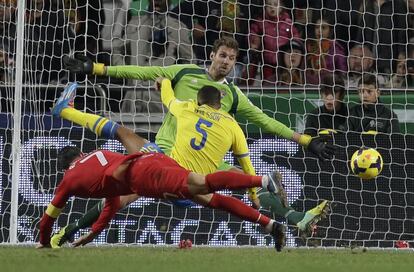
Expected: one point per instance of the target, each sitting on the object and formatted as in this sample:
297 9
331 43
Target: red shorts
157 175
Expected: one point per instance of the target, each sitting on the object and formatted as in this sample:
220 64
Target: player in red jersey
106 174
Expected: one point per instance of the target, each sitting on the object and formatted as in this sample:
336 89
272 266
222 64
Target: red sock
238 208
231 180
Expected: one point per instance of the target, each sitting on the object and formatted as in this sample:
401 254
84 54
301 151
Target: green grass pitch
153 259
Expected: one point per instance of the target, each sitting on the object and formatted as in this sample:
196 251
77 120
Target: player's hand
157 84
322 148
84 239
255 203
78 65
40 246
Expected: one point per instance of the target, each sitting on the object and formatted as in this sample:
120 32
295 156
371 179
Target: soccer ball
366 163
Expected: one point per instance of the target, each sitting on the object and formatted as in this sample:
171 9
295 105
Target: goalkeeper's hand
318 145
83 65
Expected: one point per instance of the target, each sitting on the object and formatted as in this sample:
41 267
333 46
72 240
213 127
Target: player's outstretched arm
83 65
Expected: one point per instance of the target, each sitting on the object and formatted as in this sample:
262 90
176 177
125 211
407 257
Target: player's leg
236 207
66 234
305 221
97 124
199 184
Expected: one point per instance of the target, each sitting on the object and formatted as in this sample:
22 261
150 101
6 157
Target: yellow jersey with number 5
204 134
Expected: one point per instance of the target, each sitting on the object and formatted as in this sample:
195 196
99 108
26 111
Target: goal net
281 67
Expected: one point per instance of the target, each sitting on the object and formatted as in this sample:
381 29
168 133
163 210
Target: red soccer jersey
90 176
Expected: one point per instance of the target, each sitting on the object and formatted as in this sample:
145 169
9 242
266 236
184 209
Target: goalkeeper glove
83 65
318 145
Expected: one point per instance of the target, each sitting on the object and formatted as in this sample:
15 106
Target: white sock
265 181
269 226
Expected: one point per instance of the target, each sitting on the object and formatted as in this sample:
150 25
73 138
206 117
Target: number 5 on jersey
203 133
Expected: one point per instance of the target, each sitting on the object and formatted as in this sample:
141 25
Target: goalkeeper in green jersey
186 81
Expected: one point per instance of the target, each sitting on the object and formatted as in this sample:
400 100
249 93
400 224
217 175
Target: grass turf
201 259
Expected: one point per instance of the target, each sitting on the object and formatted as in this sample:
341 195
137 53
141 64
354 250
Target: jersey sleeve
111 207
241 152
146 72
53 211
255 115
174 105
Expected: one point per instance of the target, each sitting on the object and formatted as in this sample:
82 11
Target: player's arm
112 205
255 115
52 212
174 105
241 152
316 145
83 65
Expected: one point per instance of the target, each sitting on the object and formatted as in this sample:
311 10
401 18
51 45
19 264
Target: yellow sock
97 124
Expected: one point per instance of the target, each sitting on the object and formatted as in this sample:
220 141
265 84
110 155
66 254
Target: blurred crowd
282 43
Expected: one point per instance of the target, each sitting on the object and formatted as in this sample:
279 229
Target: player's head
368 89
67 155
209 95
332 92
223 57
361 59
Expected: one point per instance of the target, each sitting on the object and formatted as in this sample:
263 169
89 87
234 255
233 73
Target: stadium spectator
155 38
324 54
7 40
267 34
400 79
332 115
410 19
47 40
90 18
138 7
371 115
361 60
291 64
341 12
113 30
382 26
210 20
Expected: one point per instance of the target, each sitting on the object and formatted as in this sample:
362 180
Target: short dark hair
209 95
368 79
333 83
66 156
226 41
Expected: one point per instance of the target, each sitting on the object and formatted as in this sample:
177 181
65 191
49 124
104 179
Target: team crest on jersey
223 93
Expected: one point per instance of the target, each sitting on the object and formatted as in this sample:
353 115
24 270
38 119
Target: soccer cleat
275 186
278 233
65 100
312 217
59 238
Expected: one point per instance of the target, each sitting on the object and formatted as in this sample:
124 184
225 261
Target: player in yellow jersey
204 132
